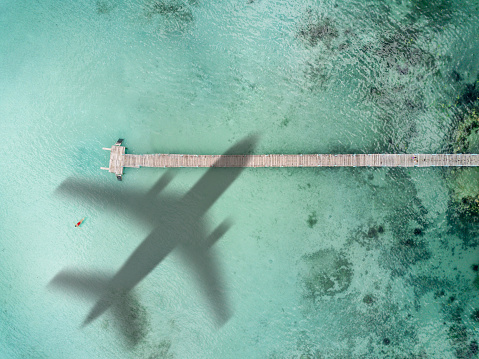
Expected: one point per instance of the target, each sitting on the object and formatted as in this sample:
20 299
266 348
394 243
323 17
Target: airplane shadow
177 222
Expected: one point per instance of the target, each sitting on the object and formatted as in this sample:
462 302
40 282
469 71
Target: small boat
78 224
118 143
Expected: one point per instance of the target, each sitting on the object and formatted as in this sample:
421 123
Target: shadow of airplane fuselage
177 221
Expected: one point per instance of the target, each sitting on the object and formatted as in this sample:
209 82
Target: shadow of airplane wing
135 202
86 284
216 181
129 320
93 192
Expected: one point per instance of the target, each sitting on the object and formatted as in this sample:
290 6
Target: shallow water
333 263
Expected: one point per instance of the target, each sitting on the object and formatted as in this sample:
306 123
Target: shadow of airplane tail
203 262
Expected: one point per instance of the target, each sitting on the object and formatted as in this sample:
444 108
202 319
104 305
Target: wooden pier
119 160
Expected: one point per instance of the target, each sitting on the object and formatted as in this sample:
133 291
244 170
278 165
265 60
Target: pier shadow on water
178 222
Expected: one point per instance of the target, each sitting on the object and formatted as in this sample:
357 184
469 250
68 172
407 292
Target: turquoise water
320 263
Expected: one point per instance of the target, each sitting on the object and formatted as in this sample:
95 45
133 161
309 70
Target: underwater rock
326 272
475 315
312 219
372 232
162 350
374 91
399 50
319 32
470 95
464 224
160 7
408 243
404 253
173 16
305 348
473 347
386 341
456 76
284 122
317 29
418 231
135 323
104 6
424 284
402 70
458 333
369 299
412 104
317 73
475 267
367 237
476 282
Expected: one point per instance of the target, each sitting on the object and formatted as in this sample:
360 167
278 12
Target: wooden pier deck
119 160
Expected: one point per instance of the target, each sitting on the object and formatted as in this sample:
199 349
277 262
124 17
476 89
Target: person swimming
78 224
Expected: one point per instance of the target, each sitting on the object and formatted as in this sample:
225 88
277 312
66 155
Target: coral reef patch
326 272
